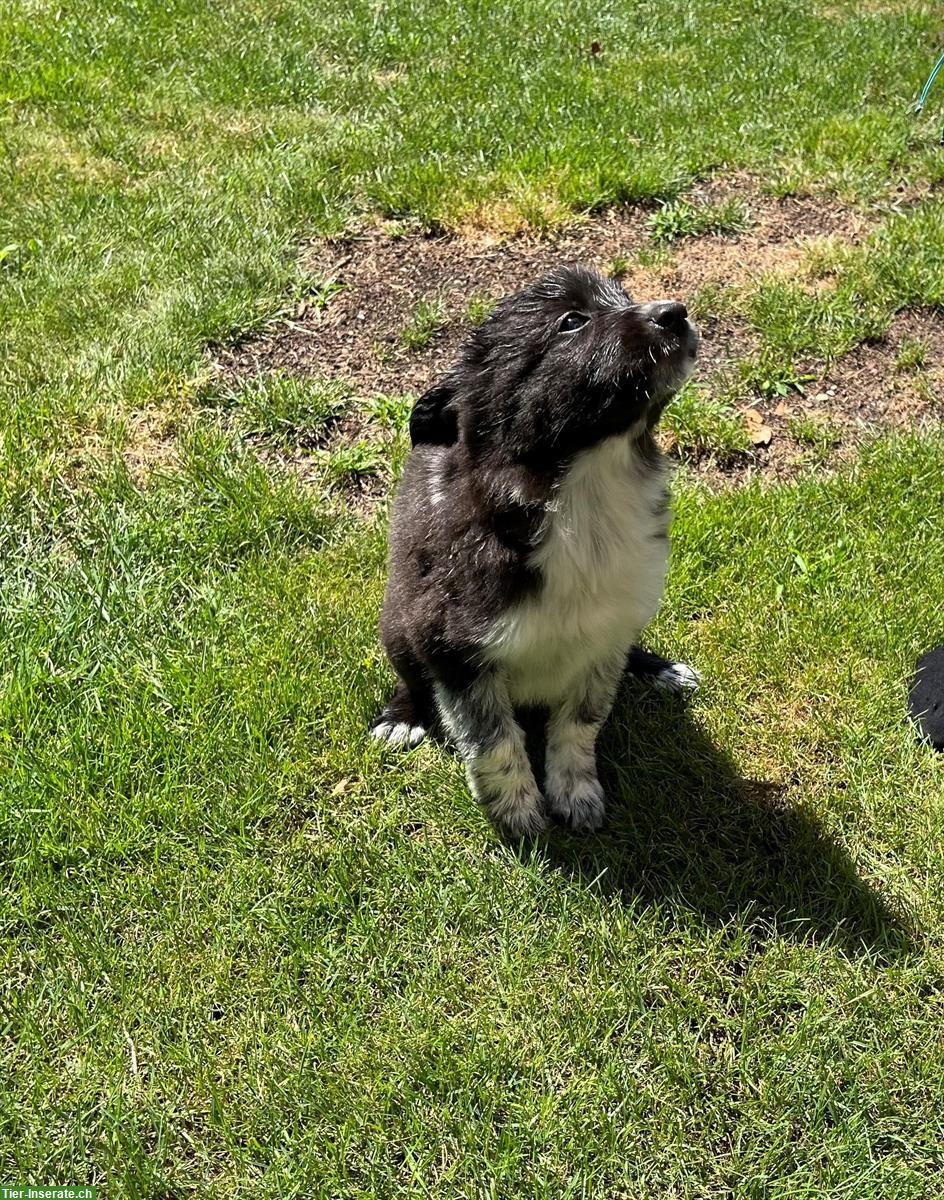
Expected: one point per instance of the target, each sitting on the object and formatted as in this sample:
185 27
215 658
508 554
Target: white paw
678 678
578 801
398 734
515 805
523 819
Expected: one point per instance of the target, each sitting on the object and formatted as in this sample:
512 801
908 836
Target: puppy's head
558 367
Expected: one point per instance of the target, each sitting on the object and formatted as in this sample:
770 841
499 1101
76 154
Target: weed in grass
683 218
766 376
700 425
617 267
912 355
15 256
816 432
427 320
314 295
392 412
287 409
478 308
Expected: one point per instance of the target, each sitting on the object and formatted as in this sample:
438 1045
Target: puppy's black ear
433 419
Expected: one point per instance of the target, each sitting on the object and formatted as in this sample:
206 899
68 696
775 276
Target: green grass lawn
247 953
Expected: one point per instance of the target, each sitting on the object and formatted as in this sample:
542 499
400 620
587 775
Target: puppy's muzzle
675 342
670 315
671 325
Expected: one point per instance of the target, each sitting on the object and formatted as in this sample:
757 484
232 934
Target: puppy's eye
572 321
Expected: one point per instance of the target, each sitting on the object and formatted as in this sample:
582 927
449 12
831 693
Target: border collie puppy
529 539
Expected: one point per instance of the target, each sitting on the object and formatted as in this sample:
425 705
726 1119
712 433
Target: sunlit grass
248 953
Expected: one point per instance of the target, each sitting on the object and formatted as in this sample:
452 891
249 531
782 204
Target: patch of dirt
863 393
382 278
358 335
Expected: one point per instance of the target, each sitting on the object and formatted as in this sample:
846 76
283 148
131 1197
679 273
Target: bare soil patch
867 391
357 336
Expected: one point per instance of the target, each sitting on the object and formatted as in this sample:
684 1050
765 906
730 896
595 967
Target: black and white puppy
529 538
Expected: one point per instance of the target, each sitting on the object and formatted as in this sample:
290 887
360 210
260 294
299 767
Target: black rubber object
926 699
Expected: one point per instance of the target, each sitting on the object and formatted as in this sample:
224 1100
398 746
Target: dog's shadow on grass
685 830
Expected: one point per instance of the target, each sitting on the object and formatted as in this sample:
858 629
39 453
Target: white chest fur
603 558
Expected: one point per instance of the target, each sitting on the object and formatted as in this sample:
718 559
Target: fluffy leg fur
573 790
481 720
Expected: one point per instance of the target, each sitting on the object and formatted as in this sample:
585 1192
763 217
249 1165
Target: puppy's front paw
503 782
519 817
678 678
577 800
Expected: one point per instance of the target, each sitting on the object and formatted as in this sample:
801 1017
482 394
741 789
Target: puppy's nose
671 315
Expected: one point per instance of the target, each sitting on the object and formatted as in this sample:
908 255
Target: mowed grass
246 952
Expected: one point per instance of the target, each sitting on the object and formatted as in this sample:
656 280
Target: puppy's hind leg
658 672
573 790
481 719
408 713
